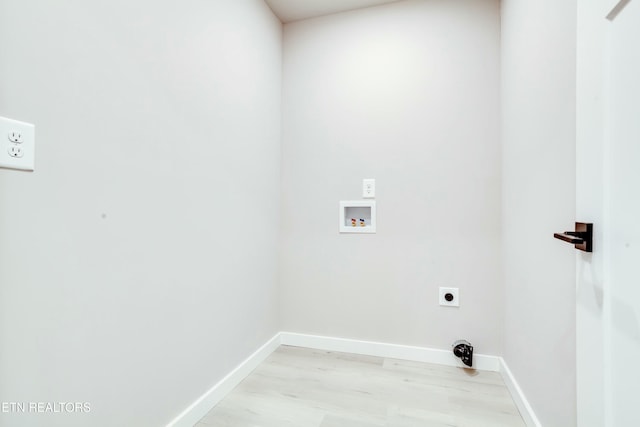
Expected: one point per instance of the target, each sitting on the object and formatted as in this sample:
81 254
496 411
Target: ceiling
294 10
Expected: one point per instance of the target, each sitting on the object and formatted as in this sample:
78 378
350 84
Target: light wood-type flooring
300 387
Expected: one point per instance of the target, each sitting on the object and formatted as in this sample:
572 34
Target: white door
622 333
608 183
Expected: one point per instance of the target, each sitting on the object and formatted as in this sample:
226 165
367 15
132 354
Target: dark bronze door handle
582 238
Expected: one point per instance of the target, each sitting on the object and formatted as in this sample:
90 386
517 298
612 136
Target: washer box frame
346 205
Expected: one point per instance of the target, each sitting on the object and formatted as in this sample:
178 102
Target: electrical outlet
15 136
368 188
17 144
450 297
16 151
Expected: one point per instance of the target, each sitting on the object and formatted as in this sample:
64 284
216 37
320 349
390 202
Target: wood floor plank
342 421
312 388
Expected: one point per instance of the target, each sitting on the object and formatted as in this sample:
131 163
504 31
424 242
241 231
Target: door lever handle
582 238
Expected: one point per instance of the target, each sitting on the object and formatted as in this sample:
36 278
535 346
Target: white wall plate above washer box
17 144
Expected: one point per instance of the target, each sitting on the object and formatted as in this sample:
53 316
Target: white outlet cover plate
368 188
455 302
8 130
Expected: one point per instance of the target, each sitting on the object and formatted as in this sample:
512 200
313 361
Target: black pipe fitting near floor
464 350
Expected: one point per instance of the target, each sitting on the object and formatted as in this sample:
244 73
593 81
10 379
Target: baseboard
395 351
194 413
526 411
198 409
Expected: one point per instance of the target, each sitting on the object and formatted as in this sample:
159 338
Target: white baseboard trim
394 351
526 411
198 409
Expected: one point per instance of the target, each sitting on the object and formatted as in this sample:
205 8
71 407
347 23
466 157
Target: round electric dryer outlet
449 297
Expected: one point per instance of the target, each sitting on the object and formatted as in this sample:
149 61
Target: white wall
406 93
138 263
538 136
